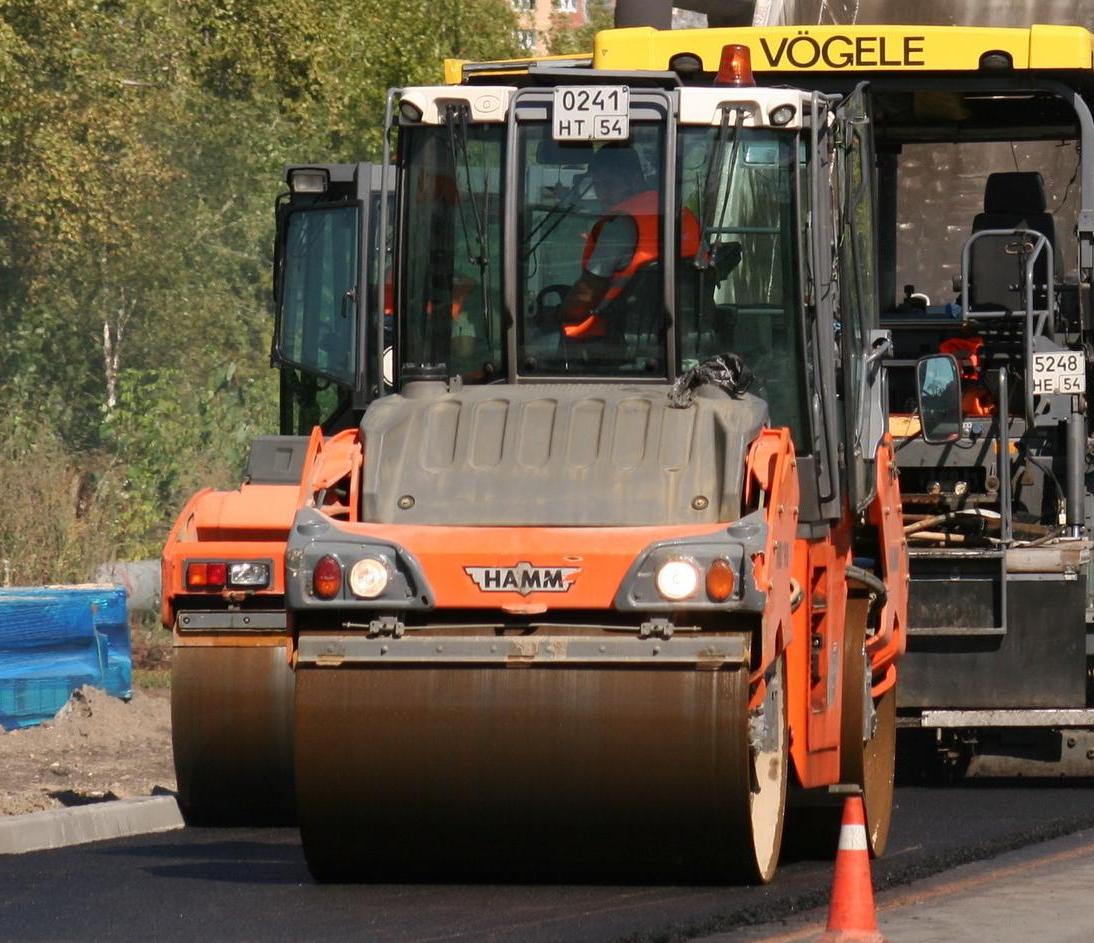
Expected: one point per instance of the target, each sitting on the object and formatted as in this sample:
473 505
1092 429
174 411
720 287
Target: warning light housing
735 69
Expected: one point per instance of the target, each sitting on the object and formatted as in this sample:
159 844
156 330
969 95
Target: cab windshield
589 237
451 278
589 231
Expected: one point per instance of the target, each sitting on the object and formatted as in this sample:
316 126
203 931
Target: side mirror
938 387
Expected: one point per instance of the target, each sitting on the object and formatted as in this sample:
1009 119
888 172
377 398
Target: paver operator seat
1012 200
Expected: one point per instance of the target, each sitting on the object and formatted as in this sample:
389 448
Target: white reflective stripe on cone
853 838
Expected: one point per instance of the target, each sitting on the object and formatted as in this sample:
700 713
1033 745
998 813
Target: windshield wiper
713 213
723 257
456 121
556 214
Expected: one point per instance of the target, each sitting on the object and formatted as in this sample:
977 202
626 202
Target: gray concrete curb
94 822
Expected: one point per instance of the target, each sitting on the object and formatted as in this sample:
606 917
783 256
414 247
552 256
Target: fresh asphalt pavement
245 884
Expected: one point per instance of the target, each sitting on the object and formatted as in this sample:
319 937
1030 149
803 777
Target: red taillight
736 67
720 581
326 578
206 575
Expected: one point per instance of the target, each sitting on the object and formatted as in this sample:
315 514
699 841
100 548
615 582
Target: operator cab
981 191
599 208
607 228
686 225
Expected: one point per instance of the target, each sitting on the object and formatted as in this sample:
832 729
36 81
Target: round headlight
677 579
782 114
368 578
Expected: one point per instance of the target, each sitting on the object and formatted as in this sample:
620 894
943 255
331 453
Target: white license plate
591 113
1059 371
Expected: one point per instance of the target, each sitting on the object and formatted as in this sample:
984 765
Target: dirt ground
97 747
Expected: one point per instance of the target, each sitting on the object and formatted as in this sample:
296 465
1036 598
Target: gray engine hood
560 455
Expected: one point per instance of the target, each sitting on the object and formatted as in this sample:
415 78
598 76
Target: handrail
1040 244
1003 415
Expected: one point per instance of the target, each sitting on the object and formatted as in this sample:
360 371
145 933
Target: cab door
319 290
863 345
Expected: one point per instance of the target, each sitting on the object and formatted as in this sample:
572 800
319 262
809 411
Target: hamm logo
522 578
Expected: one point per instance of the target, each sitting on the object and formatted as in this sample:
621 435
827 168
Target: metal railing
1040 243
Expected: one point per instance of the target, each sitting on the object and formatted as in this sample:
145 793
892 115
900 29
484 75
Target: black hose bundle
726 371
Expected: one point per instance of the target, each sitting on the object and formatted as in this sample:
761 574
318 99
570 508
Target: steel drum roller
231 721
405 771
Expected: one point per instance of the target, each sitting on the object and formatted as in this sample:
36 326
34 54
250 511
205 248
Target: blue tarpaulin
55 639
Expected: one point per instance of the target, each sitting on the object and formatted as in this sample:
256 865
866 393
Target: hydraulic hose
872 582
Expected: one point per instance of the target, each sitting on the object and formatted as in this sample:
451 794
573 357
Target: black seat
996 264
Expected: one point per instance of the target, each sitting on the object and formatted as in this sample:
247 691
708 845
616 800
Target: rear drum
231 729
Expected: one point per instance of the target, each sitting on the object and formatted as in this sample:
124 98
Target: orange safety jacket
645 210
969 352
976 400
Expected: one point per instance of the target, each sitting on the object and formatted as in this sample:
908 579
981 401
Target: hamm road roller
223 569
610 571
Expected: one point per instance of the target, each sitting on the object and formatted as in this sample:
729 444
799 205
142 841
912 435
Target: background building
538 18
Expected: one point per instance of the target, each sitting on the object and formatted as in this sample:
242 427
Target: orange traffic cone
851 916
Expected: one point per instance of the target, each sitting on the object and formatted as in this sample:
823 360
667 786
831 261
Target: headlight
311 180
368 578
249 574
678 579
782 114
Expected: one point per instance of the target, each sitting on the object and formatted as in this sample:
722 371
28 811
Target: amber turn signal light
326 578
720 581
206 575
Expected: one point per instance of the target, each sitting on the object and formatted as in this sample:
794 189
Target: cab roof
459 71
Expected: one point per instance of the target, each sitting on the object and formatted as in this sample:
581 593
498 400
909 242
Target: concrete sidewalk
1042 893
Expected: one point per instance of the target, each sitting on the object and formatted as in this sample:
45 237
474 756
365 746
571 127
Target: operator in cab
624 241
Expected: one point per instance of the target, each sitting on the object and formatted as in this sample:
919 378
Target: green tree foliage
179 432
563 39
54 512
143 145
80 202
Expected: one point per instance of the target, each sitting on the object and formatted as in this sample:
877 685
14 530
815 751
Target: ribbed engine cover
558 455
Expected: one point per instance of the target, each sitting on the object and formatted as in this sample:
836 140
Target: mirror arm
882 347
